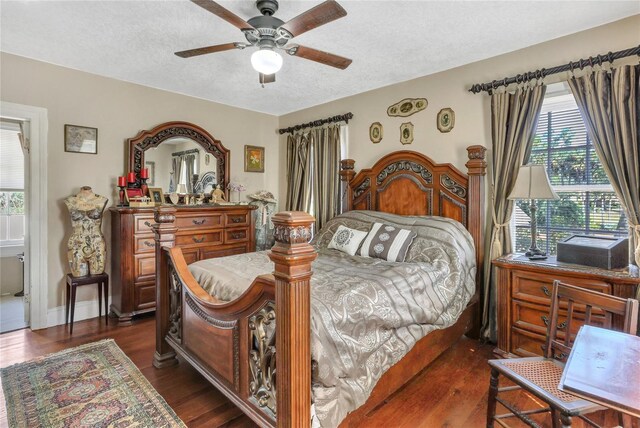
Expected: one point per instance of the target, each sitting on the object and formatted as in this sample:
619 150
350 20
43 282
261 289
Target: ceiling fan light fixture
266 61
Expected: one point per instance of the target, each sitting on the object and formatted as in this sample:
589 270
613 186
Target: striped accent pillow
387 242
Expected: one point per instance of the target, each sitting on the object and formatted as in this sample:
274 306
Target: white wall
119 110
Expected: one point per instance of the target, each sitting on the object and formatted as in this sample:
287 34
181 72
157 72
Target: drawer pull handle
545 320
149 243
237 219
237 235
198 221
546 291
147 223
198 240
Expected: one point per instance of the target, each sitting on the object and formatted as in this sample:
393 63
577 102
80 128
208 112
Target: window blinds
11 158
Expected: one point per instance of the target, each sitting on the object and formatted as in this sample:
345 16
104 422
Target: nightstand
524 297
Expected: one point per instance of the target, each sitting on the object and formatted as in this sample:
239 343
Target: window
12 198
587 204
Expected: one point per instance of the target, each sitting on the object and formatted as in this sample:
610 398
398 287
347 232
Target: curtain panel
514 118
299 176
326 179
313 165
608 103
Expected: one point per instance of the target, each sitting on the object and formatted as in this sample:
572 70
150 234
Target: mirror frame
165 131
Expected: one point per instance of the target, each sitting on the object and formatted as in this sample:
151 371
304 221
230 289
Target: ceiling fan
268 33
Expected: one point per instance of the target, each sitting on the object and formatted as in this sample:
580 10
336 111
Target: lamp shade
532 183
266 61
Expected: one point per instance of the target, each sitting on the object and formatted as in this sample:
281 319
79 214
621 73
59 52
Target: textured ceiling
389 42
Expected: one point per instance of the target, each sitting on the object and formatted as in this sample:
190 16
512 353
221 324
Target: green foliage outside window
12 203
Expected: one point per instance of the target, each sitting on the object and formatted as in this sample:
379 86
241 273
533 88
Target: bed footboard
235 344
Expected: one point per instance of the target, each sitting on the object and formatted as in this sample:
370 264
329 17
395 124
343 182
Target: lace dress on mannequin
86 246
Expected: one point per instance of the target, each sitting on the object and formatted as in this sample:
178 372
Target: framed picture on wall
151 166
253 159
80 139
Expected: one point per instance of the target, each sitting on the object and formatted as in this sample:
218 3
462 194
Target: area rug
93 385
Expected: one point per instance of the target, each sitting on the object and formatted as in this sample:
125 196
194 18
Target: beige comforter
366 313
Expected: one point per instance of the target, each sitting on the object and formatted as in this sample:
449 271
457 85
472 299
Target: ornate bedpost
477 169
292 256
346 175
165 235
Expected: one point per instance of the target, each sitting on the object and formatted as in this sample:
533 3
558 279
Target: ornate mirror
176 153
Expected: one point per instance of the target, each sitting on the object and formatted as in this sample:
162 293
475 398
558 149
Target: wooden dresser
524 297
203 233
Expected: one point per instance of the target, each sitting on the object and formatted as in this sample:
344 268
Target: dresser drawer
144 267
200 238
198 221
210 253
532 287
190 255
237 219
144 244
145 296
236 235
526 344
535 318
143 223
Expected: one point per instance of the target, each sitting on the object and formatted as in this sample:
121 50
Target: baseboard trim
83 311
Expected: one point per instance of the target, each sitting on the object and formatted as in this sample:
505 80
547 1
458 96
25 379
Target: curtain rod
185 152
339 118
541 73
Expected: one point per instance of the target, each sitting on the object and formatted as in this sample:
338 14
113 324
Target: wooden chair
540 375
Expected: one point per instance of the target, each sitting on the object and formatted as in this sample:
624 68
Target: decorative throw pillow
347 240
387 242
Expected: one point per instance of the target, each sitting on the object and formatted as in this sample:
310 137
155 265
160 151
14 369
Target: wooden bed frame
232 344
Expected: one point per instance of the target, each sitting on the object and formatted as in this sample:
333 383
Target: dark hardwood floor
452 392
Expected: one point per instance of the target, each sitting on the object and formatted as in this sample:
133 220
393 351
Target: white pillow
347 240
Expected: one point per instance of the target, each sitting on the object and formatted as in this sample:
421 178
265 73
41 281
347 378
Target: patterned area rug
93 385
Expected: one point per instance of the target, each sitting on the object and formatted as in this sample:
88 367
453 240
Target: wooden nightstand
524 297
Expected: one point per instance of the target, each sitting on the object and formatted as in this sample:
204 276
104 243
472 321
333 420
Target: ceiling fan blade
223 13
207 50
319 15
267 78
320 56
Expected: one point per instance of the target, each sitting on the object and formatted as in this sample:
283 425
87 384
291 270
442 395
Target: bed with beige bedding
342 332
366 313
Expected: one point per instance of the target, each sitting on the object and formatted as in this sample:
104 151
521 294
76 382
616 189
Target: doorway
14 305
32 123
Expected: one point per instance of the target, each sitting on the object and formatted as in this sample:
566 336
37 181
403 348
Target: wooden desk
604 367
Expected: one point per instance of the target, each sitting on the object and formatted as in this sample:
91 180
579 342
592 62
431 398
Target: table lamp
533 183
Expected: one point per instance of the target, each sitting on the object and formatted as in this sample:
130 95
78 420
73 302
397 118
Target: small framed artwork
406 133
446 120
253 159
80 139
156 195
375 132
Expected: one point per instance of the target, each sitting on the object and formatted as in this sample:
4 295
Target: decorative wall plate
446 120
375 132
407 107
406 133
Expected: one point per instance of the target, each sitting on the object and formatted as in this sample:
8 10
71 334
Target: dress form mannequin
86 244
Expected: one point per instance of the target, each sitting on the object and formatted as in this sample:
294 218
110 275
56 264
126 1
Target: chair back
586 307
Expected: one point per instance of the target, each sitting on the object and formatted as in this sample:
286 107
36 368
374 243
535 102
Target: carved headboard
410 183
